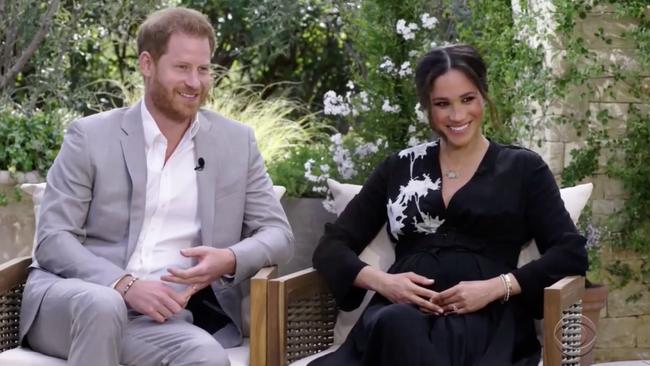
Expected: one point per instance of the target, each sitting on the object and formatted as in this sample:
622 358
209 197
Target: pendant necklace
452 174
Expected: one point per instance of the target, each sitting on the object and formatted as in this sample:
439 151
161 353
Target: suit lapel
132 142
204 143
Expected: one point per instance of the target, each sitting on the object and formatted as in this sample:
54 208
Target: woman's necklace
452 174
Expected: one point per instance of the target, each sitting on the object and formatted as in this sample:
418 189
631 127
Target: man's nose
192 80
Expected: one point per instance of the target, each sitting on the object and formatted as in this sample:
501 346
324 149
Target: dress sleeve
562 247
337 255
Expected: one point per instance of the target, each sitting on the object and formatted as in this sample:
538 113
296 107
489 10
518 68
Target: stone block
553 155
613 27
606 206
607 156
643 332
616 122
621 354
613 58
555 132
619 305
616 333
599 181
614 189
606 89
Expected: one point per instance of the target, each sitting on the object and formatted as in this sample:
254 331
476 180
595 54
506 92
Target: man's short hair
154 33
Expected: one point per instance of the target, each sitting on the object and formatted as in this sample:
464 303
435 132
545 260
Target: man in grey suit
152 218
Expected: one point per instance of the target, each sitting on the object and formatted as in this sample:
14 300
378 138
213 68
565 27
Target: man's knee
102 306
204 351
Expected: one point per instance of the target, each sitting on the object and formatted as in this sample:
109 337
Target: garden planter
307 218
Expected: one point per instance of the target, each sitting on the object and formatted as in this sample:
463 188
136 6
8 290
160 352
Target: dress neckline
485 165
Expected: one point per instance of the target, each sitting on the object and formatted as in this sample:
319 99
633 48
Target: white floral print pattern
416 188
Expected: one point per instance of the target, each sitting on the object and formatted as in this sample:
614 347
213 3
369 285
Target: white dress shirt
171 221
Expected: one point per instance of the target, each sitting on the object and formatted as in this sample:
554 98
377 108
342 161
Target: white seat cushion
26 357
306 360
238 356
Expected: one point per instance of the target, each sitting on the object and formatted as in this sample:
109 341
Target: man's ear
146 62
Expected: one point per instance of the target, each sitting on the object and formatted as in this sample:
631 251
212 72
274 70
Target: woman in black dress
459 210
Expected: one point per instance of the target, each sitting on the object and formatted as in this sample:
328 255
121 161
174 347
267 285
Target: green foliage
30 142
516 74
289 171
634 172
89 42
628 155
299 43
279 123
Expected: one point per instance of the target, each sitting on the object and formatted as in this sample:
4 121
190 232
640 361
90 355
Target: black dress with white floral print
512 198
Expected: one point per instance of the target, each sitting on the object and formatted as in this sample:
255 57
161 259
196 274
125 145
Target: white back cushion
380 253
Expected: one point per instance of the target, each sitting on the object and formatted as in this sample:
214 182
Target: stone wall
624 329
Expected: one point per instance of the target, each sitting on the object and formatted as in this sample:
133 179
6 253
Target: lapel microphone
200 165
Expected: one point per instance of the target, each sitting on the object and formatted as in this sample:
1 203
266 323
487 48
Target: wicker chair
302 315
12 282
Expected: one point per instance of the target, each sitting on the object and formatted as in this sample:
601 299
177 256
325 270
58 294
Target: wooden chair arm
13 273
259 309
563 296
302 314
12 281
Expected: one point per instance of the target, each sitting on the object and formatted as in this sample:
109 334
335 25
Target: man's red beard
170 103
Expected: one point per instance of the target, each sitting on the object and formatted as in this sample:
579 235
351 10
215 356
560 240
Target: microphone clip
200 165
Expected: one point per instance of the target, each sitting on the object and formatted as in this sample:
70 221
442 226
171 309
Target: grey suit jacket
93 207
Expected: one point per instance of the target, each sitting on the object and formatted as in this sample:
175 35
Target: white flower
413 53
413 141
336 139
366 149
387 65
350 85
328 205
405 69
342 158
434 44
411 129
324 168
428 22
406 31
334 104
363 106
420 114
386 107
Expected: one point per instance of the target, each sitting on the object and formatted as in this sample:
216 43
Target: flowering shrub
377 112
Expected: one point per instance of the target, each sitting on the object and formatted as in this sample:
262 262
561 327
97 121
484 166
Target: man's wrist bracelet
128 285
